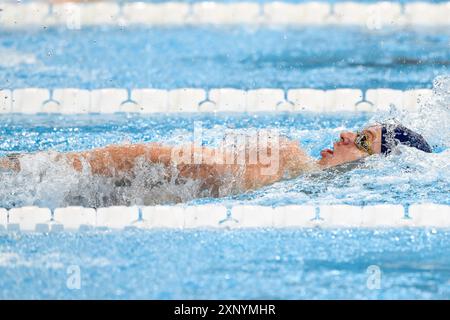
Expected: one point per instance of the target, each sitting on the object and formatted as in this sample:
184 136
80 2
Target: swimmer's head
395 134
376 139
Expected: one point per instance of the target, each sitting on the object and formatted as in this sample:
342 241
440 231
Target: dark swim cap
393 134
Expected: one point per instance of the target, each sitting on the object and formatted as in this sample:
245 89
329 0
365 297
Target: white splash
433 118
48 180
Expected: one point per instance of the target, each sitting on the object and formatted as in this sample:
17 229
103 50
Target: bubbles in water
433 118
49 180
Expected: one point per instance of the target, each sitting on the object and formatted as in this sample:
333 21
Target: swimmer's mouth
326 153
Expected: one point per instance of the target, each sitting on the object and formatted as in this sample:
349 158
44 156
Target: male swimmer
217 168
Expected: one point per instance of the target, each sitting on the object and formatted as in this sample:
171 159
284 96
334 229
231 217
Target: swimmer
216 167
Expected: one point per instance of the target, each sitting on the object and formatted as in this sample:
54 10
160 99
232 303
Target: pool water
251 264
237 57
229 264
404 263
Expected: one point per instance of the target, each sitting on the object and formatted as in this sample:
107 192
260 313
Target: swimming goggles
363 143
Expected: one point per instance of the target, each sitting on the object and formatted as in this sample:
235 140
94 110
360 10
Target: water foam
433 118
406 176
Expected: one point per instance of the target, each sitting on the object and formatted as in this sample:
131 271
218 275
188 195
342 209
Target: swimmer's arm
110 160
118 158
103 161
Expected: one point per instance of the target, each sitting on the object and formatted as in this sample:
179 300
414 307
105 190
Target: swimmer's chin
326 159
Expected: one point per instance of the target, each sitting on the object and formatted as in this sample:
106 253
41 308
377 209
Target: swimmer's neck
342 167
323 166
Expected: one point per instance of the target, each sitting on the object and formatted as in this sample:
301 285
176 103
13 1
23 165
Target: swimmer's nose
347 137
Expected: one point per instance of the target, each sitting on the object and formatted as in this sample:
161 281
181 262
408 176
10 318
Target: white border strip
372 15
79 101
215 216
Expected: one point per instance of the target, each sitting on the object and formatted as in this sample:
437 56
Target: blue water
279 264
235 57
252 264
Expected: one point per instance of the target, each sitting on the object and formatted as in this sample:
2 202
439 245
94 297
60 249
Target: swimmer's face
345 149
